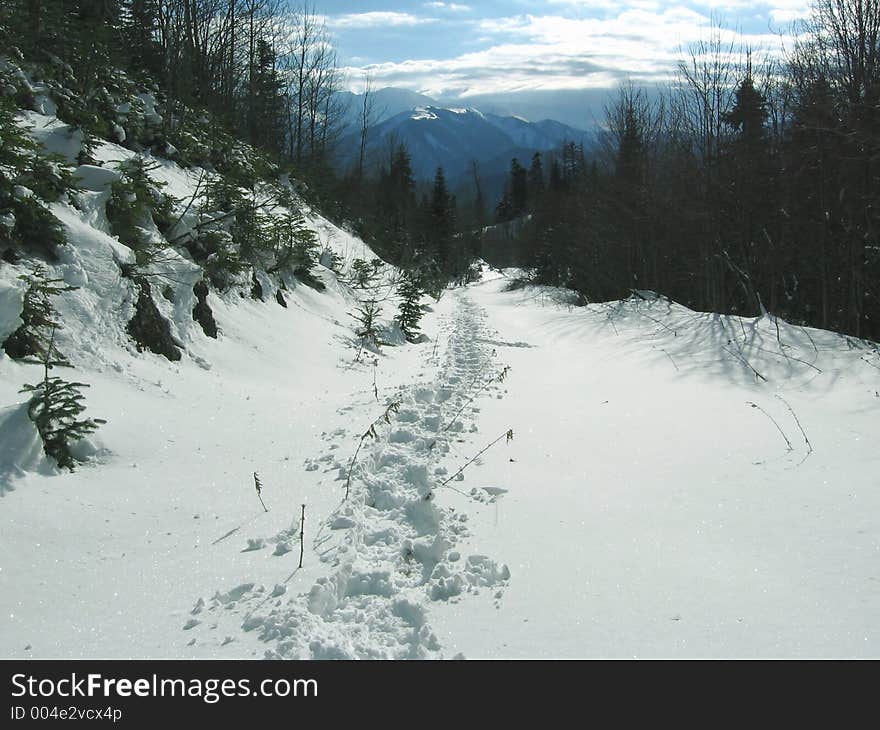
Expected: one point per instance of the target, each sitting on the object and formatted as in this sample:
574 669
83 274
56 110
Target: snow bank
11 296
21 449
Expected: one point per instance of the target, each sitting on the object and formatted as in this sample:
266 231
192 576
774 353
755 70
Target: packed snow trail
390 548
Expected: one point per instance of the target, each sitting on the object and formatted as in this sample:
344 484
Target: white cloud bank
638 40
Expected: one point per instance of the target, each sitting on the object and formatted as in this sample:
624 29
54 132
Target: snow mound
21 449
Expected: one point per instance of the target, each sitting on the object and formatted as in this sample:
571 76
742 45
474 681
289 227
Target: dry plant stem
798 422
670 357
787 442
744 360
258 485
507 434
302 523
499 377
393 407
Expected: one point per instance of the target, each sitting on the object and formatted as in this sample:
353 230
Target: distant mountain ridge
453 138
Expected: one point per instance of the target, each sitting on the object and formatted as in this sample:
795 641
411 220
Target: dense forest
748 185
745 187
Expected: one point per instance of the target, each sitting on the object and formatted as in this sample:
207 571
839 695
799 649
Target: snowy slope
651 511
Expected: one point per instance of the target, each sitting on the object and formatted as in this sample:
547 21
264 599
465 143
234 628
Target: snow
11 296
423 113
21 450
56 136
677 483
651 512
642 508
96 179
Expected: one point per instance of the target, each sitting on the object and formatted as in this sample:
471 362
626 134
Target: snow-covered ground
677 484
652 511
643 508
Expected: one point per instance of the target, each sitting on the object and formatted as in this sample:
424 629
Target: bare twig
302 523
506 435
744 360
392 408
798 422
778 428
499 377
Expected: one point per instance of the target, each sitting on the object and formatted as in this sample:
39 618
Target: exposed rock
307 278
256 289
279 297
21 344
148 328
202 311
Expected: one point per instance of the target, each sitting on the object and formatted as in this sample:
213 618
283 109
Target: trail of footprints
391 547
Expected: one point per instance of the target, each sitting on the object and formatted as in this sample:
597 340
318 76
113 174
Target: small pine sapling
293 243
54 407
331 259
409 313
363 274
38 316
368 332
26 176
137 202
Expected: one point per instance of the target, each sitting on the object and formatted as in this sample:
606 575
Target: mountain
386 103
540 136
454 138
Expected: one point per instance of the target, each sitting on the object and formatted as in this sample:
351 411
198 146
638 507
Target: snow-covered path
389 548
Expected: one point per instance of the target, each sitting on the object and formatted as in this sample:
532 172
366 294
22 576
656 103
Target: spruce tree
536 177
409 313
39 318
368 332
54 407
441 225
294 243
519 188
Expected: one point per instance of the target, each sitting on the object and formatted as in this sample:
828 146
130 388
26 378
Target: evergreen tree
39 318
748 205
136 203
368 334
555 176
265 123
293 242
410 313
139 30
54 407
25 176
536 177
519 188
441 224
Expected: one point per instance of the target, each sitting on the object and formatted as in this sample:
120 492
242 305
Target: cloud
776 10
376 19
449 7
554 52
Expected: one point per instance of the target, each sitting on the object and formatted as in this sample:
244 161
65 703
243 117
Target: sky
509 50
